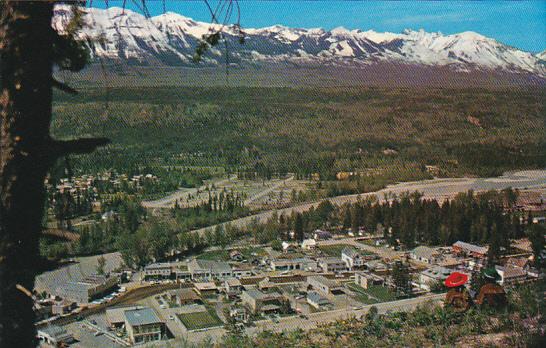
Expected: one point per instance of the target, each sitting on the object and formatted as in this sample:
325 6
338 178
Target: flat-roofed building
209 269
87 289
326 287
317 301
425 254
332 264
55 336
115 317
143 325
205 289
158 271
184 296
429 277
260 302
287 264
365 279
511 275
469 249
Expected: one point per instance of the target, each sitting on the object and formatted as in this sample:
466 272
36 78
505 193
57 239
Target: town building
352 258
63 307
288 247
143 325
259 302
317 301
209 269
184 296
158 271
287 264
55 336
236 255
322 235
206 289
332 264
309 244
376 266
324 286
511 275
429 277
365 279
115 317
87 289
425 254
233 287
467 249
238 314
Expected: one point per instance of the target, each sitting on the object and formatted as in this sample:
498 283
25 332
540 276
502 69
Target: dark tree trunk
25 156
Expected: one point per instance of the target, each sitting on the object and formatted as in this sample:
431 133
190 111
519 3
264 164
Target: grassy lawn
374 294
200 320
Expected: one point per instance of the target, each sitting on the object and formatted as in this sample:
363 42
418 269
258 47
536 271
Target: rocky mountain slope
170 39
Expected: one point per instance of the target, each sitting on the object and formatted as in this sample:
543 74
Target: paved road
439 189
266 192
169 201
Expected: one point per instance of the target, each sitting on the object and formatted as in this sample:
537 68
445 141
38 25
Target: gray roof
438 273
424 252
56 332
323 280
159 265
85 266
316 298
471 247
258 295
143 316
208 266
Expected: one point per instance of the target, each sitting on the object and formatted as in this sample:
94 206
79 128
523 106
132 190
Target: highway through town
439 189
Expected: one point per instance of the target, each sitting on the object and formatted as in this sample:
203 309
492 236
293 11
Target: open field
199 320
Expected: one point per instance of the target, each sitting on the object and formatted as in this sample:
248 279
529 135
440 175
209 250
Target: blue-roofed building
143 325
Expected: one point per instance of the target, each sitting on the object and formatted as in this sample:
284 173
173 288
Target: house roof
198 265
117 315
159 265
258 295
438 273
316 298
56 332
520 262
205 286
323 280
471 247
331 260
424 252
143 316
511 272
185 294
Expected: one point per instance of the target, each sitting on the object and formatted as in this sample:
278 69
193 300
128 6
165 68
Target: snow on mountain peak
171 39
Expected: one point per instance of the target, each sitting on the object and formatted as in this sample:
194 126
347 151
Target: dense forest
372 131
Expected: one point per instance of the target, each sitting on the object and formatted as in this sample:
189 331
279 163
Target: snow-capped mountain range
171 39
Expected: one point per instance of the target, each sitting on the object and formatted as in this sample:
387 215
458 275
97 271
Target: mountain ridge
170 39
